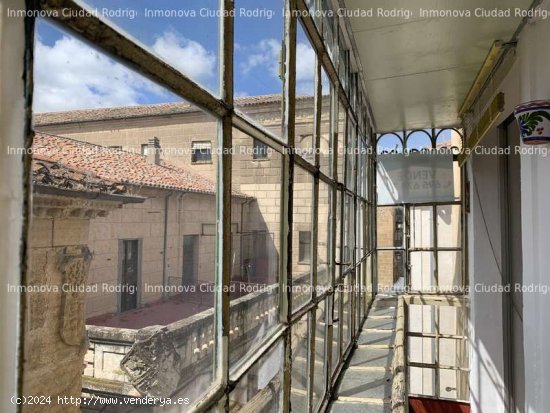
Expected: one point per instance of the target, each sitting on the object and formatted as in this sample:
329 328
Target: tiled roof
128 112
117 166
56 175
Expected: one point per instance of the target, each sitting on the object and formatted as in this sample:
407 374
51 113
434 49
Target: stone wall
178 357
188 214
54 325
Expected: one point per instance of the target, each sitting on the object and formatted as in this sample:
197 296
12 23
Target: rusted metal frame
353 47
420 249
436 250
224 198
315 237
23 126
320 49
318 96
374 217
289 130
210 400
438 366
236 375
340 278
453 300
116 43
432 335
436 371
354 303
333 128
417 204
255 131
318 104
311 357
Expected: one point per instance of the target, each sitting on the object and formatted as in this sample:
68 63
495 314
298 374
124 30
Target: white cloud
71 75
265 56
186 55
305 69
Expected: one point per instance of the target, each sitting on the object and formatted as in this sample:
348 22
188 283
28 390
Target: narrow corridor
366 382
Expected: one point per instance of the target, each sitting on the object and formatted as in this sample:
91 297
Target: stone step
340 406
365 384
380 324
382 311
383 337
371 357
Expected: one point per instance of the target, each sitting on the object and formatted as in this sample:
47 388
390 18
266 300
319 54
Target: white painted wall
486 351
534 61
11 193
529 79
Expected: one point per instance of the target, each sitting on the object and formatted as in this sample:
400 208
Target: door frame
509 349
139 275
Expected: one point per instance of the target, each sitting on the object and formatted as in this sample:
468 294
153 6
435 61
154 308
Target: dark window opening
260 150
201 152
304 250
129 274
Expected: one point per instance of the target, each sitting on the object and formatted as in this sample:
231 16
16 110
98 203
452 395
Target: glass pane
421 381
339 253
148 292
341 143
448 383
349 231
422 350
302 237
449 271
324 277
369 283
452 320
422 235
185 37
299 378
336 323
319 364
390 222
351 146
390 143
448 226
346 313
391 268
421 318
422 271
305 93
255 247
453 384
453 353
419 140
260 389
257 69
325 149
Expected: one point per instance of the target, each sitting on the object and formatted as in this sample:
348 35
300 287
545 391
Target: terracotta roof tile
117 166
128 112
56 175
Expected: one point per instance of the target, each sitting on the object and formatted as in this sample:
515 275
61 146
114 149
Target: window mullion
224 239
289 111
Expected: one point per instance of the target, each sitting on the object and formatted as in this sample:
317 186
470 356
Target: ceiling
419 70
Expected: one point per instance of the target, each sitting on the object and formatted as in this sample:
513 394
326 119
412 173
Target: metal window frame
345 91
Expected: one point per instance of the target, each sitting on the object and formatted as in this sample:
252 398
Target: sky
70 74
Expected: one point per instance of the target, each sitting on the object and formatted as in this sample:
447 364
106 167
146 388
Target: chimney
153 150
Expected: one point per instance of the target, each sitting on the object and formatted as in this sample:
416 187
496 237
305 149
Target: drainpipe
164 246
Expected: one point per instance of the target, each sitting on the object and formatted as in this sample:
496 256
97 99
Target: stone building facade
187 138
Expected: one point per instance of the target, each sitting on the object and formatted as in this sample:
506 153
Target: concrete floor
366 383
